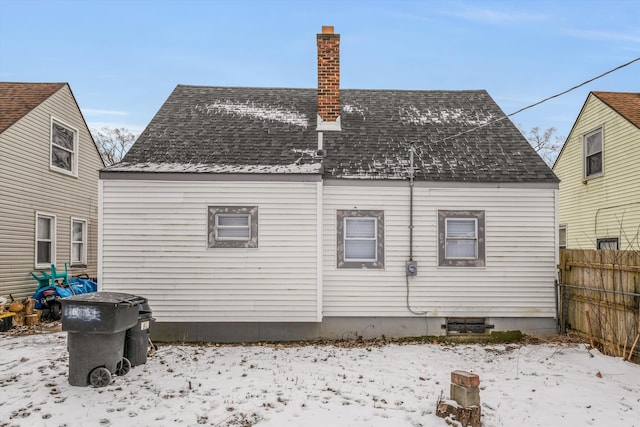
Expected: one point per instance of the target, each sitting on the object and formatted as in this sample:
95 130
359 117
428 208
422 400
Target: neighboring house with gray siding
600 175
49 167
266 214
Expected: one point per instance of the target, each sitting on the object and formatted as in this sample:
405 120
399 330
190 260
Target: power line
542 101
575 87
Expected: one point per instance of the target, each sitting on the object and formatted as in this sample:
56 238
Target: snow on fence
599 297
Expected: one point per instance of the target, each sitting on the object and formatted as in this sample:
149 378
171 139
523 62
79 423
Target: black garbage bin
136 342
96 324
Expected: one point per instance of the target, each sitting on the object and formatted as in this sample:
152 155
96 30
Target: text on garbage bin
86 314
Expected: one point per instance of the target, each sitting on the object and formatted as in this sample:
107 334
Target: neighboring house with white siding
49 167
600 175
277 214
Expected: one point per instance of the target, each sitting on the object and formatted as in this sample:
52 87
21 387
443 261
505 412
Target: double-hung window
360 238
593 154
232 227
461 236
45 250
78 242
461 241
64 148
562 236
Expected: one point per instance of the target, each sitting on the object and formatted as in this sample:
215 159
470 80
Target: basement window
232 227
610 243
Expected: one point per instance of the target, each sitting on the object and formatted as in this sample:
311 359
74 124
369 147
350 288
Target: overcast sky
123 58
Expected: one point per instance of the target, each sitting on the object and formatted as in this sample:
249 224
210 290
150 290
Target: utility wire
542 101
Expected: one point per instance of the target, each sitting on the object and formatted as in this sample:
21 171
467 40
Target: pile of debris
19 313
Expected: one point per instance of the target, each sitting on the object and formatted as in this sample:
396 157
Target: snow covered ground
551 384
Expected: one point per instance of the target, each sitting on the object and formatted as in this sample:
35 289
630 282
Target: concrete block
464 378
465 396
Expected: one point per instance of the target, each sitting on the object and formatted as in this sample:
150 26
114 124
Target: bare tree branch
546 144
113 144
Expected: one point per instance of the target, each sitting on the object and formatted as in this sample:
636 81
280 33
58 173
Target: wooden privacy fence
599 297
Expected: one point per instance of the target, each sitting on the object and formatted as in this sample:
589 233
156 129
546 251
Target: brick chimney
328 80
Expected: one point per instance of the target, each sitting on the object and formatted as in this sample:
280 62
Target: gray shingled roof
260 130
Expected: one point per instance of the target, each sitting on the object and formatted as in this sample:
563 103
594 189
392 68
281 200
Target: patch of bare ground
40 328
568 339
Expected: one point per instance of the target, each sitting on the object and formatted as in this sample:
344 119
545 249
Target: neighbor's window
562 235
64 148
608 243
45 251
593 153
232 227
461 238
360 237
78 242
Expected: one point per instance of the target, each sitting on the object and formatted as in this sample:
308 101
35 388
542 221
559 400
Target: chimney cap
327 29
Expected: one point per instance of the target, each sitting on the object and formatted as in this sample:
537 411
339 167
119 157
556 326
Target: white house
279 214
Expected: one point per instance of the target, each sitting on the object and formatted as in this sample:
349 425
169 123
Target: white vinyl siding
518 279
154 243
28 185
607 206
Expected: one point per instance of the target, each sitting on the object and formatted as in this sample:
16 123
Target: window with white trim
360 237
45 250
78 242
461 238
64 148
593 154
562 236
232 227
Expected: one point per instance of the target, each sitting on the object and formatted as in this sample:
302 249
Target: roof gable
627 104
18 99
458 136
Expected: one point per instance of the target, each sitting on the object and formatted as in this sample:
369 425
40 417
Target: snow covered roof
458 135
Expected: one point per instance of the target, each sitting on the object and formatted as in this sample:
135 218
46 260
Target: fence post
557 290
565 309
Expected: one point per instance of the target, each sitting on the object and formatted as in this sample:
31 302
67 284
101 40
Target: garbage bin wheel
100 377
123 367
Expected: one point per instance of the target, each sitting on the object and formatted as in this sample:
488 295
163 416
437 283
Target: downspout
99 274
319 238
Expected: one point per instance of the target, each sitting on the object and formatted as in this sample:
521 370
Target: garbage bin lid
107 298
